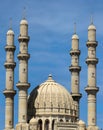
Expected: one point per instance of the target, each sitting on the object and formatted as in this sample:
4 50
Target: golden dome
51 98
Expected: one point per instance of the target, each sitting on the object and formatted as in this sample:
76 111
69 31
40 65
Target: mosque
49 106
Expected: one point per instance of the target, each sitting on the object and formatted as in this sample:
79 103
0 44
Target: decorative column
9 91
91 88
75 69
23 84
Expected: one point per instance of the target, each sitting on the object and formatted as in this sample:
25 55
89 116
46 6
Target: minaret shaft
91 88
91 75
75 82
9 79
22 106
9 110
91 109
23 71
9 92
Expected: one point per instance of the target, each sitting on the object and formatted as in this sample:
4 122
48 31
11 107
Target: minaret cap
75 36
91 26
10 32
24 22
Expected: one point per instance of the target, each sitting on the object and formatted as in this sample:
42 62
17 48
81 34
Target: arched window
76 82
92 52
61 120
46 127
53 125
39 124
93 75
10 78
11 55
76 60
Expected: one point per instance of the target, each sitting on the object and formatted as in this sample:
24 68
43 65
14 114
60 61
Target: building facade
49 106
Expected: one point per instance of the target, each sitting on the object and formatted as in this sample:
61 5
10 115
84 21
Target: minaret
91 88
9 91
23 84
75 69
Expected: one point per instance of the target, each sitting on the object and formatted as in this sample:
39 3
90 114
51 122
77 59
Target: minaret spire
75 69
92 88
23 84
24 13
10 25
75 28
9 91
91 19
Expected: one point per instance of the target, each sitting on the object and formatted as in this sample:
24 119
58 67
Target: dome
81 122
24 21
50 98
91 27
10 32
75 36
33 120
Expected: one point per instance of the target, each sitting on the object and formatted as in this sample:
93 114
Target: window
39 125
76 60
76 82
46 125
61 120
23 117
24 70
53 125
10 55
10 78
92 52
93 75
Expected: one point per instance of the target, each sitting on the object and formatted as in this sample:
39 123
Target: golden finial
75 28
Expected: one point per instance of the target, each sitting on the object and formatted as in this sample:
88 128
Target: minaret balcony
23 85
75 52
74 68
23 38
23 56
91 89
9 92
10 48
92 61
92 43
76 96
10 65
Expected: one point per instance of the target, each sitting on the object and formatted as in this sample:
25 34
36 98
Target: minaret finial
75 28
91 19
24 13
10 24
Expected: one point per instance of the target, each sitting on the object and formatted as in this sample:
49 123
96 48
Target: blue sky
51 25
